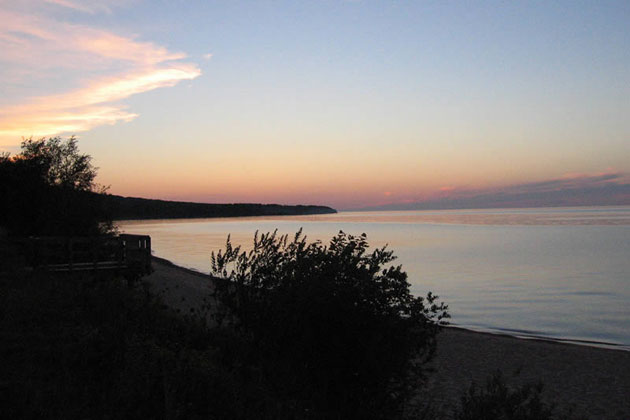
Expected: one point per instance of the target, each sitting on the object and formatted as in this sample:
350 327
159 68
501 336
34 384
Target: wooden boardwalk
125 254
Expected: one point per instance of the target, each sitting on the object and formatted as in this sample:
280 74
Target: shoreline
498 333
594 381
557 340
182 268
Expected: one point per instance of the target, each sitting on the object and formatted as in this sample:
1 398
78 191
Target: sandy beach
594 381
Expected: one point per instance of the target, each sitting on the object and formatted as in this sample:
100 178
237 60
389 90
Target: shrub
498 401
334 331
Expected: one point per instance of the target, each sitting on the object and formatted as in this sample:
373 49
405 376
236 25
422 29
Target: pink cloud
605 188
29 37
76 111
36 48
564 182
116 47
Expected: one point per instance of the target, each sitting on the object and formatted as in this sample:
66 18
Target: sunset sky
344 103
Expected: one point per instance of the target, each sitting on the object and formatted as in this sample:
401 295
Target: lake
561 273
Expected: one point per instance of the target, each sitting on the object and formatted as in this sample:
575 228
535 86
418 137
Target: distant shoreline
135 208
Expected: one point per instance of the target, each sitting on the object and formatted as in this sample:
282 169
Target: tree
49 189
61 163
333 330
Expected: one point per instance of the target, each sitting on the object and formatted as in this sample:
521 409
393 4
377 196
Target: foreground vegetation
334 329
88 347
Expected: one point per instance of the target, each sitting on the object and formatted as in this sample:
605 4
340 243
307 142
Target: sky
351 104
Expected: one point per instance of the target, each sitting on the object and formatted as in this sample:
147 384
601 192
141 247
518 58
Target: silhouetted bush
333 331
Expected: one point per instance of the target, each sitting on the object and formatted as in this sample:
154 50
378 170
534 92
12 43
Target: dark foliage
498 401
85 347
127 208
333 331
49 190
78 348
60 163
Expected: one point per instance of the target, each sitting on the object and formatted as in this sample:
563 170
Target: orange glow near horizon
325 184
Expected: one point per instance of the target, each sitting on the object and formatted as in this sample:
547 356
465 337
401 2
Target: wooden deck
125 254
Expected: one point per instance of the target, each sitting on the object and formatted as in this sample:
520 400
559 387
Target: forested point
131 208
49 189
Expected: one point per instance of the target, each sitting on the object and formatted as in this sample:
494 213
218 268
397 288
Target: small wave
539 335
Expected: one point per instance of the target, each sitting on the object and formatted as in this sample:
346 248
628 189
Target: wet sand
594 381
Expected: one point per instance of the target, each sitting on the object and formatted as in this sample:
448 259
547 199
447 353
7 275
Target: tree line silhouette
49 189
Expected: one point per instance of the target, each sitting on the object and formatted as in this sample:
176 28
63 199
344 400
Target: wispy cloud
83 109
569 181
87 6
610 188
77 6
104 68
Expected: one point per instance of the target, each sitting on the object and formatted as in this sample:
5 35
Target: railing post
119 252
70 254
34 256
94 255
148 255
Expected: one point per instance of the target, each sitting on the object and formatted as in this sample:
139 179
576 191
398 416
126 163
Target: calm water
562 273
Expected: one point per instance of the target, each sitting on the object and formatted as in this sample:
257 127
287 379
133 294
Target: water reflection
560 272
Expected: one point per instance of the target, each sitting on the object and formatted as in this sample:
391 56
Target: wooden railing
129 254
